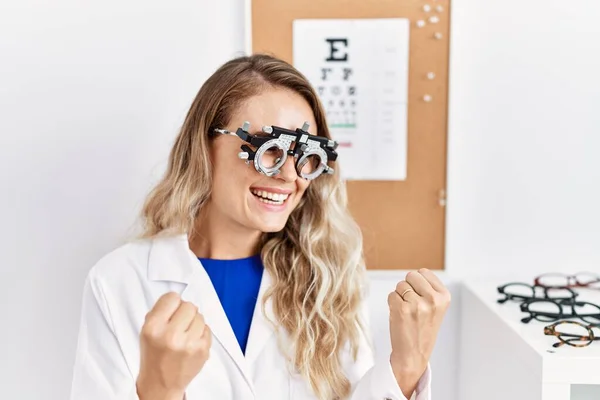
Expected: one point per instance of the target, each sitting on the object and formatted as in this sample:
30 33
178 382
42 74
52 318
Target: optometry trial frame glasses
270 148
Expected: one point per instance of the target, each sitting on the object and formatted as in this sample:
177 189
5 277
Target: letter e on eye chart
359 68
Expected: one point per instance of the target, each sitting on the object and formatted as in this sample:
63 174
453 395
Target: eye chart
359 68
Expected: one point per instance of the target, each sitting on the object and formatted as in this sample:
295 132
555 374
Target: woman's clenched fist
174 345
417 309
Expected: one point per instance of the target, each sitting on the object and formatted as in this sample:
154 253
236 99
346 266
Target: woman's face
242 195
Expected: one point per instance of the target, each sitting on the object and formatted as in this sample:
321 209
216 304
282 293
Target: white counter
502 358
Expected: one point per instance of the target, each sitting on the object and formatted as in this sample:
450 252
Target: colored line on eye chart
342 126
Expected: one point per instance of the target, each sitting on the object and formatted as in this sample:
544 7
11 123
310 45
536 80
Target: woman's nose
287 172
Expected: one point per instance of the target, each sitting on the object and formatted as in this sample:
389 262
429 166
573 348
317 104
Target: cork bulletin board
403 221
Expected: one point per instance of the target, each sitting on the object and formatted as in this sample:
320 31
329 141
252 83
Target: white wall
91 96
524 137
524 130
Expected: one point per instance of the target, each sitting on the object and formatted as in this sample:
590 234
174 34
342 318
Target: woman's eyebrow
258 132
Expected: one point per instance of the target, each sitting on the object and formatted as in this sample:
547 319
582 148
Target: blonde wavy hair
316 261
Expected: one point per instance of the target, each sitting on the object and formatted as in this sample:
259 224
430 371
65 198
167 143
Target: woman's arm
380 383
101 371
416 307
376 380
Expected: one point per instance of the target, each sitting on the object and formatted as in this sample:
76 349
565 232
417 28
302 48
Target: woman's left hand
417 308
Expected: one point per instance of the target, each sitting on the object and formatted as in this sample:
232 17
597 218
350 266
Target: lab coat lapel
171 259
261 329
201 292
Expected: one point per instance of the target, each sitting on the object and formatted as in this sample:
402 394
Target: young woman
249 281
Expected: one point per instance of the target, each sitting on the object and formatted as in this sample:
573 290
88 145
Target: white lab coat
124 285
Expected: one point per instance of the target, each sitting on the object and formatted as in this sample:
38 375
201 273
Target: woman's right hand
174 345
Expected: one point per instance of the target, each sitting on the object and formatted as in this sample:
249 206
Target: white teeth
270 201
269 197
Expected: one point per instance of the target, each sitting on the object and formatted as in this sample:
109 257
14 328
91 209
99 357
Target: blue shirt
237 283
